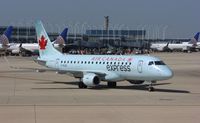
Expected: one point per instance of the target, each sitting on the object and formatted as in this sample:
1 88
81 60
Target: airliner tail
62 38
195 39
4 39
46 49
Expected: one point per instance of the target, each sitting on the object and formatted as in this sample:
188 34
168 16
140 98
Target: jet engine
136 81
91 79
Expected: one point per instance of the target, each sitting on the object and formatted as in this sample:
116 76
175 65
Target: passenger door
139 67
57 63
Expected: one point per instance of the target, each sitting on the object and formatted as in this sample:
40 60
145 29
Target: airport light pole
164 31
120 28
138 27
83 27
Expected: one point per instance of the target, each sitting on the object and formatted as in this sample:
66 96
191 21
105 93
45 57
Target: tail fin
195 39
6 36
196 36
62 38
46 49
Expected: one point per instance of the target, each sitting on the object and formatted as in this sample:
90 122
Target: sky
161 18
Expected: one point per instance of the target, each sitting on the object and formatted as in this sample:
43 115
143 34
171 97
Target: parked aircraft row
29 49
192 45
92 69
26 48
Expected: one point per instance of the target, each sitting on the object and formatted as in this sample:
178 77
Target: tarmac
30 97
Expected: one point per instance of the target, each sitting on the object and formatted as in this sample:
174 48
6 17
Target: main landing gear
82 85
112 84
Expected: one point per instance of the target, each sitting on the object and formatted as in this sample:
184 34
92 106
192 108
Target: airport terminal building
112 37
117 38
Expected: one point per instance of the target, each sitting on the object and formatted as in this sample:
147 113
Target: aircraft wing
80 74
74 73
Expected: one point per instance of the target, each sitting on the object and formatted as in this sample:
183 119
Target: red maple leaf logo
42 43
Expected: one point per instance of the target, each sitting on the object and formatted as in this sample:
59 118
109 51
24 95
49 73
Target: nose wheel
151 88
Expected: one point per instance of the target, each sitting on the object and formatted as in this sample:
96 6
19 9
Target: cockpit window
151 62
156 63
159 63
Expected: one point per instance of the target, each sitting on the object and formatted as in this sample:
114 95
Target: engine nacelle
91 79
136 81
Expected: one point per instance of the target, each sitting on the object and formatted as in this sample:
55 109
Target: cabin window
96 62
81 62
103 62
99 62
61 61
74 62
71 62
67 61
92 62
85 62
130 63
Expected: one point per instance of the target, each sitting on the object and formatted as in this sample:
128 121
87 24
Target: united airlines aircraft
29 49
4 39
184 46
92 69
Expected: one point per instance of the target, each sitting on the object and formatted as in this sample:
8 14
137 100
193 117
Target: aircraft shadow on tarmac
16 71
142 87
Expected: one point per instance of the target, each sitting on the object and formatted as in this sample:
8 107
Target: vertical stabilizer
4 39
46 49
62 38
195 39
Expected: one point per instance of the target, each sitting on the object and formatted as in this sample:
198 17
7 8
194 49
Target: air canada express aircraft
92 69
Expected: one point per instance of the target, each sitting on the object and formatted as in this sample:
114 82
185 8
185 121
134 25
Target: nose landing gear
151 88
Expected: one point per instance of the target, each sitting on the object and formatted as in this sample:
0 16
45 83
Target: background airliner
28 49
4 39
92 69
184 46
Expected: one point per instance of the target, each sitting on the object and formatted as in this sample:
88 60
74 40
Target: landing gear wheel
112 84
151 89
82 85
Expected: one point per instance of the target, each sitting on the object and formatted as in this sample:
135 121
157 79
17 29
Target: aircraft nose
168 74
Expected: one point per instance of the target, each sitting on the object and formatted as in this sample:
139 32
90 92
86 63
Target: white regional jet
92 69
